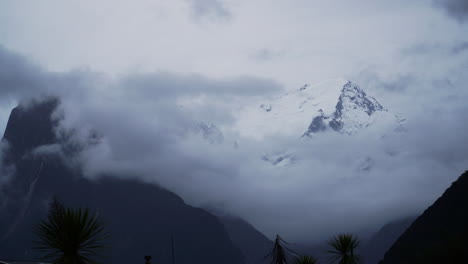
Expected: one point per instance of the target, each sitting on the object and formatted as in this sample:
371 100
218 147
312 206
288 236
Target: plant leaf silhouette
343 246
305 260
71 236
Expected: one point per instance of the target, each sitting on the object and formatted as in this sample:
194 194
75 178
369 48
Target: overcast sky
151 71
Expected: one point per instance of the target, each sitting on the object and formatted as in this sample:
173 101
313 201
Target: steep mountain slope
353 111
252 243
373 250
440 234
300 116
337 105
141 218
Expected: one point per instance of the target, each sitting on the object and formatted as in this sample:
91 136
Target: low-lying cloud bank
148 125
458 9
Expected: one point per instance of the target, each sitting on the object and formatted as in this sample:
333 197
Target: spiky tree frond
71 236
343 246
278 254
305 260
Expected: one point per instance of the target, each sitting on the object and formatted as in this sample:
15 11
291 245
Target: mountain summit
337 105
354 110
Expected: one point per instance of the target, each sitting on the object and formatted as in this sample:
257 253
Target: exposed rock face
319 123
312 111
440 234
353 111
141 218
30 127
335 105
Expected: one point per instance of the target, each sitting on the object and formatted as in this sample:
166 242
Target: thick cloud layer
210 8
148 125
455 8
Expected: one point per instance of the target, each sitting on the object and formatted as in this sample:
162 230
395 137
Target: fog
146 124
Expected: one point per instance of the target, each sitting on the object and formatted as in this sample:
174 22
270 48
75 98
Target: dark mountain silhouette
253 244
440 234
141 218
373 250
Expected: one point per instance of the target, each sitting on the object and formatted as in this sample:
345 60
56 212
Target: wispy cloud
210 9
265 55
146 122
458 9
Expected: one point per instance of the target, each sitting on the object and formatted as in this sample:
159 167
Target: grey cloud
54 149
22 80
145 129
458 9
18 76
168 84
397 83
321 190
459 48
214 9
202 98
422 49
264 55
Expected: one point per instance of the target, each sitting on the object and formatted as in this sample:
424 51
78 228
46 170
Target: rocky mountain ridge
141 218
337 105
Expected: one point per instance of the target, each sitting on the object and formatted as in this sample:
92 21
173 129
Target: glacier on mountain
353 111
334 105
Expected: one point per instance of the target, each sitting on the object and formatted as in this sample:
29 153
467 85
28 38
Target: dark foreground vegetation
70 236
342 250
78 236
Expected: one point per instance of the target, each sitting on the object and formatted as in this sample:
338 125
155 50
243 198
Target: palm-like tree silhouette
305 260
343 246
278 254
71 236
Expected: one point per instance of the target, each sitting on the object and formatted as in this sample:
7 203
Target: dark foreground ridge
140 218
440 234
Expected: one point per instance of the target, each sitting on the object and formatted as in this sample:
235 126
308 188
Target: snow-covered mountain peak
323 94
333 106
353 111
328 104
354 96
